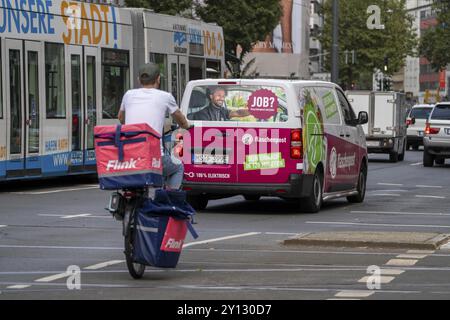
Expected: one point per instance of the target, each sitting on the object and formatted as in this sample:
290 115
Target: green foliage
396 41
171 7
244 22
435 42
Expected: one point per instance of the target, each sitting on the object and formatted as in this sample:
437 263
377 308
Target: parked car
297 140
416 121
437 135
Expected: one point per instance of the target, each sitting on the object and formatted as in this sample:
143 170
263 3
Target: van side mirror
413 120
363 117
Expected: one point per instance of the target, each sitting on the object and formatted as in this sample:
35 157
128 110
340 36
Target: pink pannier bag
128 156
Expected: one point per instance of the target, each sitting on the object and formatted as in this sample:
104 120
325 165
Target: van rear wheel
361 188
428 159
313 203
197 202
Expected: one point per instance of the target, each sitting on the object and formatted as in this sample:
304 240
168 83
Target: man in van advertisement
216 110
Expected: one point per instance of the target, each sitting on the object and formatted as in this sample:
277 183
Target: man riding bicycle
149 105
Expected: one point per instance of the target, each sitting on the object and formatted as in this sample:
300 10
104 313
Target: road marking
222 238
384 195
401 262
354 294
381 279
54 191
378 224
76 216
3 225
416 164
402 213
390 184
19 286
103 264
58 247
63 216
422 186
432 197
412 256
54 277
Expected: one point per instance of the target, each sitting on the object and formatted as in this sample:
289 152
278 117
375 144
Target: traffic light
386 63
386 84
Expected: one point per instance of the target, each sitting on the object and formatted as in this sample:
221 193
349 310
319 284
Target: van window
330 106
238 103
347 111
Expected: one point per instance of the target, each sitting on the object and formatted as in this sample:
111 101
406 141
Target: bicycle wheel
135 269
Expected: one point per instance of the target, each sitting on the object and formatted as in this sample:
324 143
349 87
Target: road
47 226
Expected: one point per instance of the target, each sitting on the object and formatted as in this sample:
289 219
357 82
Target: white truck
386 129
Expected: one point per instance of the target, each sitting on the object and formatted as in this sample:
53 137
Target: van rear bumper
299 186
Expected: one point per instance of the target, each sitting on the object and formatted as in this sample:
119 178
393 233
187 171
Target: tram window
54 80
161 60
1 89
213 69
196 68
33 101
116 80
15 101
91 100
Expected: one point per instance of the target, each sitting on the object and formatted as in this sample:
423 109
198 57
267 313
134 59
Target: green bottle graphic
313 135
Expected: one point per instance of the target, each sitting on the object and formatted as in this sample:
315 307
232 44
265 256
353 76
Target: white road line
402 213
384 195
3 225
381 279
19 286
54 191
58 247
76 216
422 186
54 277
412 256
401 262
417 164
377 224
431 197
391 272
354 294
390 184
222 238
103 264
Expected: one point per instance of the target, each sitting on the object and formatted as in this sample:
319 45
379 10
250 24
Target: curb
314 239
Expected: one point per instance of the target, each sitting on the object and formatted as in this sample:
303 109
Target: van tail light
296 144
430 130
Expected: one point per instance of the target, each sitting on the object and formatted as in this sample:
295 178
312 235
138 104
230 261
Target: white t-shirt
148 106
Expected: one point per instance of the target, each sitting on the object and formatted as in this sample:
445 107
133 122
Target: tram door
15 165
177 76
74 64
3 130
91 102
24 80
34 105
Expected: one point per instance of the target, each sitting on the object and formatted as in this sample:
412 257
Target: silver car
437 135
416 120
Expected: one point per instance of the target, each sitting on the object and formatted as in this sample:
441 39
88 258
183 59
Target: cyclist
149 105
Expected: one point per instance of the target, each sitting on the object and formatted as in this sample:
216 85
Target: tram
65 66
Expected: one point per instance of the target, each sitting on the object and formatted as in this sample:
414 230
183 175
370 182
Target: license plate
211 159
420 133
372 143
447 130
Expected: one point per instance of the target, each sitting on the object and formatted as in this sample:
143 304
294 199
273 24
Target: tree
244 22
396 41
171 7
435 41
